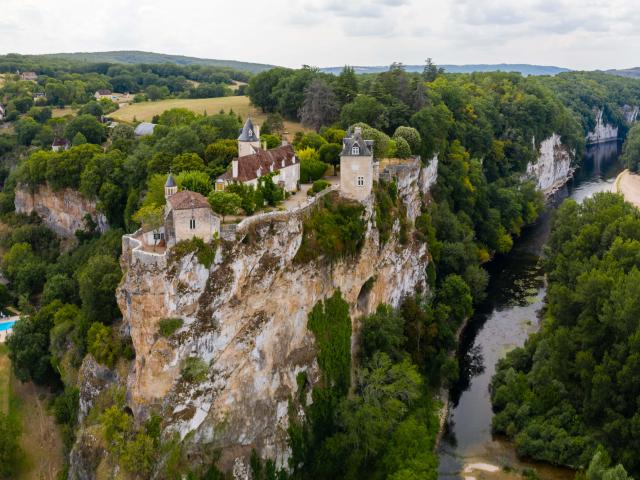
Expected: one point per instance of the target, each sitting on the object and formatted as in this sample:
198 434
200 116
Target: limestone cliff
602 132
63 211
554 165
245 317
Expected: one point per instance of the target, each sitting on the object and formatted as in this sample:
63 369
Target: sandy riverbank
628 184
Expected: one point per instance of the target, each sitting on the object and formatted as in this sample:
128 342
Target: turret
249 139
170 187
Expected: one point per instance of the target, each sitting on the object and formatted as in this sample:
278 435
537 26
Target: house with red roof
255 160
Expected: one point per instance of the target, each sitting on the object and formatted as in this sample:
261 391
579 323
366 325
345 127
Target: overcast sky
581 34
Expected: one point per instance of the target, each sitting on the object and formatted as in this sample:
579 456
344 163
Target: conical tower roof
170 181
248 133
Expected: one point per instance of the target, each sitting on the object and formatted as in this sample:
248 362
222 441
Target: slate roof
145 128
365 146
188 200
170 181
248 132
104 92
280 157
60 142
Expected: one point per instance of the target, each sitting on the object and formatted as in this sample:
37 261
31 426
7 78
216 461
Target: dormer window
250 133
355 150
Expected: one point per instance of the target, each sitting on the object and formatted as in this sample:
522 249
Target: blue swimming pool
7 325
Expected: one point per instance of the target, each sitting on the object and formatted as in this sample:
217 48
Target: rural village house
255 161
60 144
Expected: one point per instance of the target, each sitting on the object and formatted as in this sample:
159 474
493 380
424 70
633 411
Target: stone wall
62 211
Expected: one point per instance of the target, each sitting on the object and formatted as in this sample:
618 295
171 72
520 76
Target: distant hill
524 69
627 72
135 56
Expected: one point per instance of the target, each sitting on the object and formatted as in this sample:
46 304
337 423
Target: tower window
360 181
192 224
355 150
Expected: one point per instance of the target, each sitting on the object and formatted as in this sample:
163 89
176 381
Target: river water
503 322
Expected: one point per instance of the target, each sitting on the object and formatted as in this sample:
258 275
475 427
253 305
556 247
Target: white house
2 112
60 144
253 162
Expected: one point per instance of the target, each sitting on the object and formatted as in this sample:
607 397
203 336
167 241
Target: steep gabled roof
365 147
170 181
248 132
264 160
188 200
60 142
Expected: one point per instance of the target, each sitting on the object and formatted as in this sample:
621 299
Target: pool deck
628 184
4 333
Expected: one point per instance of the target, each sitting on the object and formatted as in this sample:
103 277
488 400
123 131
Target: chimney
234 168
264 145
285 142
256 128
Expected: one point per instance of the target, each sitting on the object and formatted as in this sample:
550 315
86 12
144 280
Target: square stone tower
356 166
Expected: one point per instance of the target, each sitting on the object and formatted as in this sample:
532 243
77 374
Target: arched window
355 150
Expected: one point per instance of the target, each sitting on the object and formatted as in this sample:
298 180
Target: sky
578 34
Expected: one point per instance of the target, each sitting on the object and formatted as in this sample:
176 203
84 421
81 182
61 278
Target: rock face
63 211
603 132
245 318
553 167
630 113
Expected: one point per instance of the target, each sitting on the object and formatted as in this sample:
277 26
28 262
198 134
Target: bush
311 167
167 326
195 370
411 136
335 230
205 253
318 186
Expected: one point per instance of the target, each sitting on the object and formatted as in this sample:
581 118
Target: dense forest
575 384
484 129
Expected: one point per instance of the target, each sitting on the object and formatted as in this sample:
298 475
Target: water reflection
504 321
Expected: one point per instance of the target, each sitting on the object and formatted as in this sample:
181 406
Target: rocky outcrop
554 165
602 132
245 319
62 211
630 113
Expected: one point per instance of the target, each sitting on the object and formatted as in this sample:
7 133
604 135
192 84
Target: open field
61 112
240 105
628 185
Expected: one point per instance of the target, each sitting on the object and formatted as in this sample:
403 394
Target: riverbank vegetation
574 385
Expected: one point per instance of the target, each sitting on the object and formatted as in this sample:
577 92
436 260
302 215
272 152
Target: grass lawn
146 110
61 112
40 438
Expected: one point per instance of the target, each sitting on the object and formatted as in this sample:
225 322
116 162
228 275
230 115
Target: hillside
135 56
627 72
524 69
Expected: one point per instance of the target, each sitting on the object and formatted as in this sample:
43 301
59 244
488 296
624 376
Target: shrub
311 167
195 369
318 186
205 253
335 230
411 136
167 326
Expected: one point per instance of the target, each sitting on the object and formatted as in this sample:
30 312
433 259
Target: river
503 322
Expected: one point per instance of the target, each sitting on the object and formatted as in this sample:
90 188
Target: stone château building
357 166
254 161
187 215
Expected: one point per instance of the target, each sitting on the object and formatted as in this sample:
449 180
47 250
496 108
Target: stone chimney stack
234 168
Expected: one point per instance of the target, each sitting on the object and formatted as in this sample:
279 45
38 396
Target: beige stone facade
356 166
186 224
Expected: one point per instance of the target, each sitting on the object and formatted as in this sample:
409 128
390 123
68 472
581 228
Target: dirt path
628 184
40 437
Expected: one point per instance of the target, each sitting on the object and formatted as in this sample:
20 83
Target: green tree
26 130
330 153
364 109
346 85
187 161
97 280
631 149
320 106
88 126
102 345
194 181
225 203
